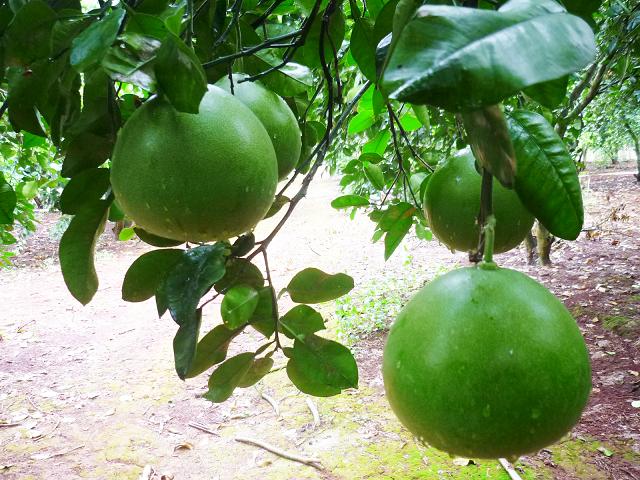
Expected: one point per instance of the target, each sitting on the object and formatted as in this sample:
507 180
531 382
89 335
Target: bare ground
91 391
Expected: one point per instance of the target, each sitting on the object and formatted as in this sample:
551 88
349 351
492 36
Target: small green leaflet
314 286
224 380
346 201
87 186
155 240
300 321
211 350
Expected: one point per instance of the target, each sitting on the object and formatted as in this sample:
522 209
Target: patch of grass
621 325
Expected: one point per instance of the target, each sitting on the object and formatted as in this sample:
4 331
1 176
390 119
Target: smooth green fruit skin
275 115
195 177
486 364
452 204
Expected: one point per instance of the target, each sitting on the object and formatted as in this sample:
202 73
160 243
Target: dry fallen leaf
463 462
183 446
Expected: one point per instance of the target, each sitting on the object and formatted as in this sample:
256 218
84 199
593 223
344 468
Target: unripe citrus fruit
194 177
452 203
486 364
275 115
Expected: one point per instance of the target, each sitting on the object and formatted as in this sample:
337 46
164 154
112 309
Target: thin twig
509 469
49 433
314 412
19 329
273 402
203 428
2 425
312 462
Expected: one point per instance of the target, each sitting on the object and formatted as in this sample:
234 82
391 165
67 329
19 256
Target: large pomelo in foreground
275 115
195 177
452 204
486 364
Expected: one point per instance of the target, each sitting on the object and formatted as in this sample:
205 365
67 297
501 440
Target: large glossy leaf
463 59
211 350
185 342
85 187
488 136
363 48
8 202
77 247
180 75
546 178
181 291
314 286
321 367
90 47
147 272
228 376
27 36
375 175
238 305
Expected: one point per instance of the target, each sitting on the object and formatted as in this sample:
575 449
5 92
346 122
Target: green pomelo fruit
452 204
275 115
195 177
486 363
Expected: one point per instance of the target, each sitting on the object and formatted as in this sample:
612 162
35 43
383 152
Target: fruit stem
489 231
486 211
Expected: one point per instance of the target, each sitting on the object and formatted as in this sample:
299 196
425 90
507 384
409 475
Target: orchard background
90 391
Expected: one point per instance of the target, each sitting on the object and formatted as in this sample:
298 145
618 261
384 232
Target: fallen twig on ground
46 456
203 428
273 402
312 462
509 469
314 412
10 424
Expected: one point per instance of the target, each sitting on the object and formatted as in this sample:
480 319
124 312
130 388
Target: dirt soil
90 392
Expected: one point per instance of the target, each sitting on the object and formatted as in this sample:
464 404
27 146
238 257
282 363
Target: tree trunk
636 145
545 240
530 245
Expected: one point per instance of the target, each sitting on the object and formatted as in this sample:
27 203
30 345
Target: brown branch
312 462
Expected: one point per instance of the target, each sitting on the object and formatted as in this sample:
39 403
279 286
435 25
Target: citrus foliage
125 89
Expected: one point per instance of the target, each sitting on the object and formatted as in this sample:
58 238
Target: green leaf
448 56
184 344
262 319
346 201
228 376
423 233
363 48
378 144
87 150
90 47
410 123
546 177
126 234
238 305
490 142
422 114
27 36
300 321
195 273
394 214
259 368
583 8
360 122
549 94
180 75
8 200
370 157
321 367
87 186
154 240
396 234
211 350
77 247
147 272
314 286
279 202
374 175
240 271
308 54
